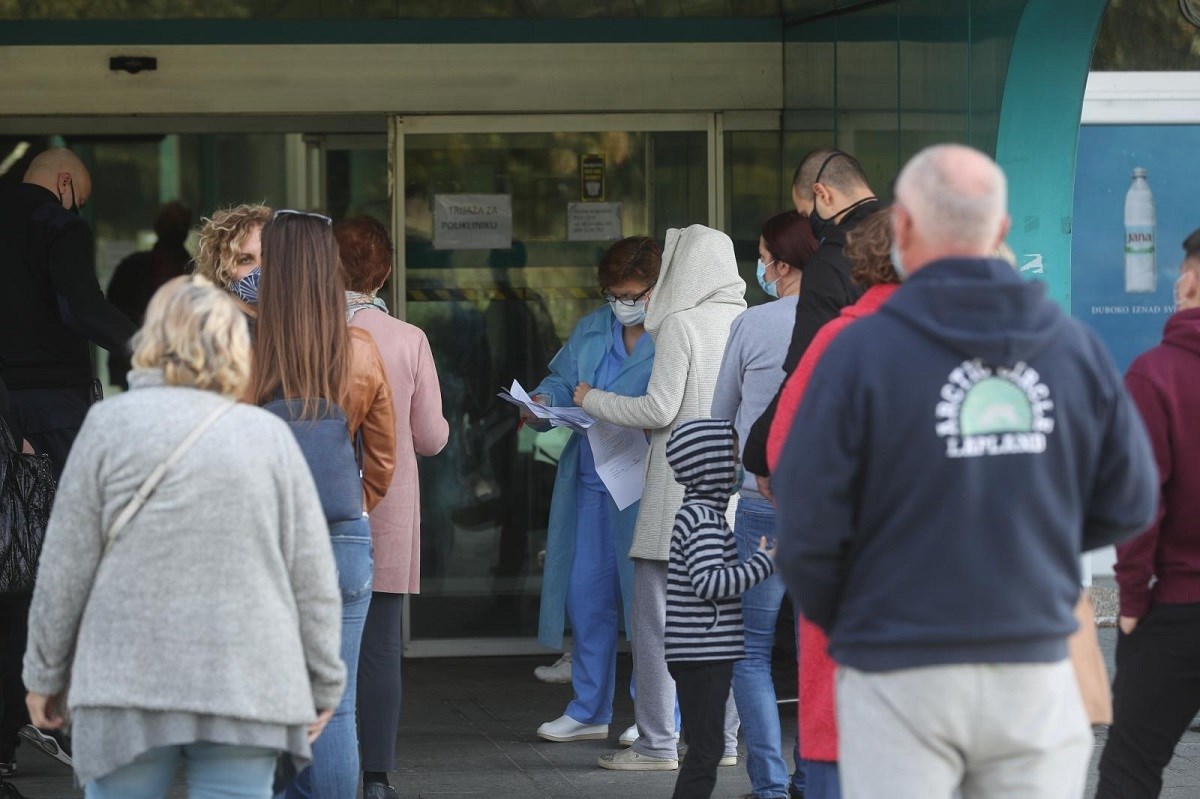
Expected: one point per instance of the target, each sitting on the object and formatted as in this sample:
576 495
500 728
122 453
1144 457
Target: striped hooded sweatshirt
705 580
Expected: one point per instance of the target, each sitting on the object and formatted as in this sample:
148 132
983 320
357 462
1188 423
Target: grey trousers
986 731
654 706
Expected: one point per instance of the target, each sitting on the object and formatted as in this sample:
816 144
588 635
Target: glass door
504 220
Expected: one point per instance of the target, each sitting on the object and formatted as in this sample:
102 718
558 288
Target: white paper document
620 454
576 419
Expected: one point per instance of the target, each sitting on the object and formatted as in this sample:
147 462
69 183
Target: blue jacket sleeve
815 489
560 384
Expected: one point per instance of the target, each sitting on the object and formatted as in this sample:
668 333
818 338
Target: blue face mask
246 289
771 288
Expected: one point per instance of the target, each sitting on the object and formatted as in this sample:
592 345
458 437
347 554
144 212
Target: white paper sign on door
593 221
472 221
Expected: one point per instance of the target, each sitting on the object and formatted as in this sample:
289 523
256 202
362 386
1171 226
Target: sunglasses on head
313 214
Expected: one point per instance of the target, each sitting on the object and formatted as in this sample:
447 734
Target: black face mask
819 224
74 206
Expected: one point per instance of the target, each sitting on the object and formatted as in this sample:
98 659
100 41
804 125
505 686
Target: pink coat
420 430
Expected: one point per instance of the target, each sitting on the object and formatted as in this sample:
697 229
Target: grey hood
698 266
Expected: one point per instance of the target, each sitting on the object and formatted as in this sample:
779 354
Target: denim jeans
822 779
214 771
753 689
335 766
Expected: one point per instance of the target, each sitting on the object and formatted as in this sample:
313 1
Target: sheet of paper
620 454
576 419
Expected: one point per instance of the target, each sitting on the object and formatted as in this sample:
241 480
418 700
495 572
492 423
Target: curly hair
195 333
868 247
222 236
366 253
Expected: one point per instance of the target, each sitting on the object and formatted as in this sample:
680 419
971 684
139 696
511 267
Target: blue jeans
823 780
214 771
335 766
753 689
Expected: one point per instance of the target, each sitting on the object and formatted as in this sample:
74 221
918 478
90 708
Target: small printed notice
472 221
593 221
620 454
593 167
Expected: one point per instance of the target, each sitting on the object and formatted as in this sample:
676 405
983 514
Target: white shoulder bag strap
150 483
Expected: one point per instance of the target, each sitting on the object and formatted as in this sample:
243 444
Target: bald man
955 455
51 307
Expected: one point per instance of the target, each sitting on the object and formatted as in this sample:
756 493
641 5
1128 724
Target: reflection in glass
495 315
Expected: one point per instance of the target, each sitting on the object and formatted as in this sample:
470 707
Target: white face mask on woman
629 315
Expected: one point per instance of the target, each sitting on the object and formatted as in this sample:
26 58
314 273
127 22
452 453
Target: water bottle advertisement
1135 203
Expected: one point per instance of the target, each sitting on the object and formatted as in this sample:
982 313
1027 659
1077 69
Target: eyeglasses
608 296
313 214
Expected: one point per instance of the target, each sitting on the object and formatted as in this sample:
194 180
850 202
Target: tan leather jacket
369 408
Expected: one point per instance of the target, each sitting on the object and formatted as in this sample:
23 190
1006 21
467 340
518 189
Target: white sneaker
629 760
628 737
565 728
728 760
560 672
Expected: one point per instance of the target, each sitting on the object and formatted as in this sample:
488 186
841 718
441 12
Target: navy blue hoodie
953 456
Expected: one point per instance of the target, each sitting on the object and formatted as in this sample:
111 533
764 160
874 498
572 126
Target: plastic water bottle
1140 274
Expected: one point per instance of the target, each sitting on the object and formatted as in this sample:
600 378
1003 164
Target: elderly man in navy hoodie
1157 686
953 457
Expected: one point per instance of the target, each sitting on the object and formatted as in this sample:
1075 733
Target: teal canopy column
1039 133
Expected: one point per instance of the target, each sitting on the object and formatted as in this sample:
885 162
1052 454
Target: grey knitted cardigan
220 597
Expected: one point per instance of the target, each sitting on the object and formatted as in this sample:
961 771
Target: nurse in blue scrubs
588 575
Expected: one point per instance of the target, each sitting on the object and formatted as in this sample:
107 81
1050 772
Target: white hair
957 197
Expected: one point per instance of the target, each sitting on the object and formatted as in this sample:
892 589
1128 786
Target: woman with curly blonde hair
134 615
230 253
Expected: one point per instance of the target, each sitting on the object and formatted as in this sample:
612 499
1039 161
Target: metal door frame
401 126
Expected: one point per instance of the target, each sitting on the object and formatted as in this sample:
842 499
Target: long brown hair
302 348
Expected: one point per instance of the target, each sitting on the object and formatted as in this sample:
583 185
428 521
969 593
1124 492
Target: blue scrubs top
605 374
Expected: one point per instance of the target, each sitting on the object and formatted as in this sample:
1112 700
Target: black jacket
825 290
51 305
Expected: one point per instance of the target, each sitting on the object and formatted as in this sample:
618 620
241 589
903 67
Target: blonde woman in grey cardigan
698 295
207 630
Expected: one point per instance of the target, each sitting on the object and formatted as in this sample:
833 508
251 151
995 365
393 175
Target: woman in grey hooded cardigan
208 631
688 314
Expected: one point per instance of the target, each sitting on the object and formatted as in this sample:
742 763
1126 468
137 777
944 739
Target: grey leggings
379 682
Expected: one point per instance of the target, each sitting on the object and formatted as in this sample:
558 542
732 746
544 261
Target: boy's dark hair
1191 245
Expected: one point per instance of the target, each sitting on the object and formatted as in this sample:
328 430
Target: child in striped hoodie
705 582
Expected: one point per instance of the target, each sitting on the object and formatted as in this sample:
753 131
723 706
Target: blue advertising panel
1124 256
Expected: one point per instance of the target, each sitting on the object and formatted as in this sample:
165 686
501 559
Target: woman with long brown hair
329 381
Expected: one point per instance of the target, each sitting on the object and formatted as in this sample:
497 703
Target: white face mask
629 315
898 263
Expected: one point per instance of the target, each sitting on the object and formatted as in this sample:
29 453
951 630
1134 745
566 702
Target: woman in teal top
588 574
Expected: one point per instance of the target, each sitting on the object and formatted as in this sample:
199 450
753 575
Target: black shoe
793 793
378 790
7 769
51 743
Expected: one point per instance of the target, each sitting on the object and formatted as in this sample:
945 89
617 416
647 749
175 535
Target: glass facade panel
934 91
381 9
868 90
498 314
885 80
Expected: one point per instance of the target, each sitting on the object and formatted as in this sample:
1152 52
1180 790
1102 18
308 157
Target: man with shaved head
51 307
954 456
